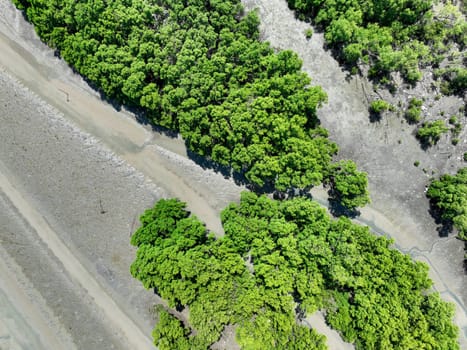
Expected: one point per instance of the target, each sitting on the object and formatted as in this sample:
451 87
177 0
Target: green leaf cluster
454 80
449 194
380 106
430 132
390 35
278 257
198 67
374 295
414 110
348 185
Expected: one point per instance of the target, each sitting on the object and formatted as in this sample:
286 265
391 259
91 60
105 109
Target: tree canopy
449 194
198 67
348 185
277 260
187 266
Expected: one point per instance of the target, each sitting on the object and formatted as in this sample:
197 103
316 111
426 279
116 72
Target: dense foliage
274 256
389 35
449 194
348 185
198 67
189 267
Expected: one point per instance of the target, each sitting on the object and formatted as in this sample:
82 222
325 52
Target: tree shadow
445 227
375 117
290 193
425 145
300 312
465 257
225 170
425 142
140 114
240 179
337 209
207 163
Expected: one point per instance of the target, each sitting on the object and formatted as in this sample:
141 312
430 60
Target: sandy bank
25 321
34 64
136 339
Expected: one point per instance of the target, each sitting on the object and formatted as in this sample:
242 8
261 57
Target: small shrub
455 141
445 89
453 120
416 163
465 157
454 80
456 130
309 33
413 113
413 75
380 106
430 133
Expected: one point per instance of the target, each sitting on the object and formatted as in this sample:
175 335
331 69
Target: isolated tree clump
449 195
348 185
275 259
199 68
380 106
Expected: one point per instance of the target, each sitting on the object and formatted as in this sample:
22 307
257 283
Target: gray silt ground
69 302
88 196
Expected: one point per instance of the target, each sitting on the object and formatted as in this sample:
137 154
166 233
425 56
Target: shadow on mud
465 258
375 117
226 171
445 227
337 209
